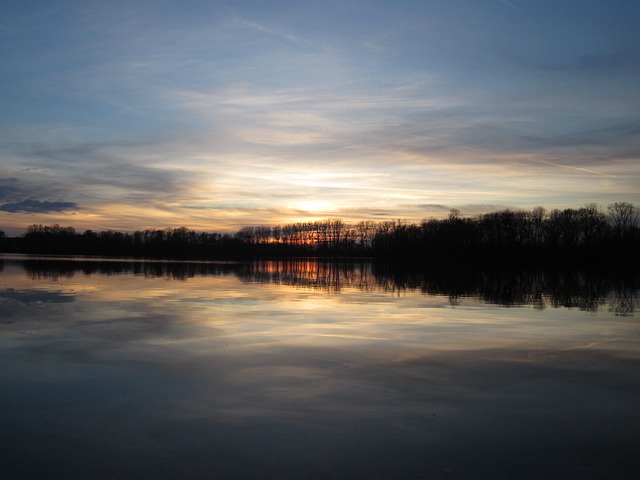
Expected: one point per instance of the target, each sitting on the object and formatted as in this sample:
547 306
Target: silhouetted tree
623 217
593 225
537 218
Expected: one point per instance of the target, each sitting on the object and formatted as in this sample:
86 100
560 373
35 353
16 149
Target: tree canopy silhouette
585 234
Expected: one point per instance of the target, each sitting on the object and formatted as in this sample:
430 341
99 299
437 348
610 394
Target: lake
303 369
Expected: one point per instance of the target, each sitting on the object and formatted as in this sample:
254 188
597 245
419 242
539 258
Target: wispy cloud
506 2
270 30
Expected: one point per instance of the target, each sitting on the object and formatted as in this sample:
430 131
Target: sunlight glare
313 206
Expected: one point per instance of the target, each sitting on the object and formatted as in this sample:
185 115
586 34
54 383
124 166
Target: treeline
170 243
584 233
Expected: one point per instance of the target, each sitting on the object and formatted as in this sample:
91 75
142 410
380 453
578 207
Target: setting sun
313 207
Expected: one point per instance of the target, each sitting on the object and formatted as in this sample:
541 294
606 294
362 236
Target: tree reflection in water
589 290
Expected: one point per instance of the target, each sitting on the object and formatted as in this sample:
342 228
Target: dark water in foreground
305 370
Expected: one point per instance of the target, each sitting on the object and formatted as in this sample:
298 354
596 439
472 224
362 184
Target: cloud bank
38 206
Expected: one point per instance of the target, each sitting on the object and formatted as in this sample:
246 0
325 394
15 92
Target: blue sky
214 115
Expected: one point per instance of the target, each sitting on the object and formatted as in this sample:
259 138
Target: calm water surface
127 370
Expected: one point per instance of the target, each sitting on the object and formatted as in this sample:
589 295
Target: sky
215 115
